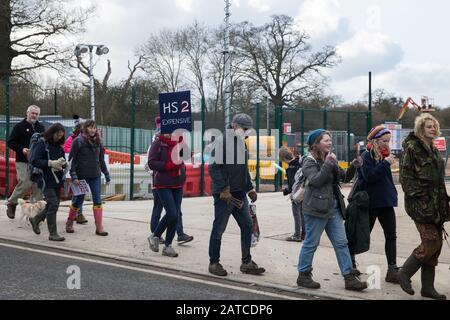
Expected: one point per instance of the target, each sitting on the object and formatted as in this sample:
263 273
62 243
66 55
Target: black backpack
36 174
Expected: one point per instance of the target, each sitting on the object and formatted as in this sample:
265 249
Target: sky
403 43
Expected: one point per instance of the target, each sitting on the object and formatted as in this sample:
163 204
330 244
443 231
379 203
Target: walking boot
52 229
409 268
11 210
428 290
98 216
73 212
305 280
252 268
392 274
36 220
353 283
81 219
217 269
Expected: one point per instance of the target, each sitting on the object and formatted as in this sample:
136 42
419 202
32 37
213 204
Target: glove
55 164
108 179
285 192
170 166
225 195
253 195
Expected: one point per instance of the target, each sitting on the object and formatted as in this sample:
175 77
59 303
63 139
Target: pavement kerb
304 292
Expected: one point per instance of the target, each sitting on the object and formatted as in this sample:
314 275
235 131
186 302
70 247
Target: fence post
55 100
303 131
8 122
348 137
133 125
202 167
325 119
257 147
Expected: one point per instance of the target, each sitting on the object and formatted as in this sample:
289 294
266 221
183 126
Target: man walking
231 185
19 141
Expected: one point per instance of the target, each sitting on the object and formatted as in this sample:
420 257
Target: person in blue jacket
375 177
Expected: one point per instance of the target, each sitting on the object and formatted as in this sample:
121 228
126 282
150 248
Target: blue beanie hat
314 135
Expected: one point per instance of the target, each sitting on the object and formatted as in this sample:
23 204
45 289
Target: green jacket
422 178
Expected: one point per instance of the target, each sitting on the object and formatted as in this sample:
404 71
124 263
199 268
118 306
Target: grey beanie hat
243 120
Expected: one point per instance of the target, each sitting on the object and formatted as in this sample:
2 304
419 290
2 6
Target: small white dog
30 210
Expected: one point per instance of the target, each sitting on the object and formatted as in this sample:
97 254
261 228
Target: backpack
36 174
300 184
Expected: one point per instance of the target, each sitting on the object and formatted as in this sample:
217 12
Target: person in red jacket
169 177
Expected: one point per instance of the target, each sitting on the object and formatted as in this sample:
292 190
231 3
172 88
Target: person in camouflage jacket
426 202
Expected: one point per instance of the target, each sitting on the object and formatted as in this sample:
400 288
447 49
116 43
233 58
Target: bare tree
279 58
163 60
31 33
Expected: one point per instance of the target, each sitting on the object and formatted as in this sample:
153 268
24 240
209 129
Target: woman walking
375 177
48 155
169 177
88 163
323 207
422 174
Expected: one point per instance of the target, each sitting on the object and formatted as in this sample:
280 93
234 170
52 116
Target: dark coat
357 226
88 160
158 156
422 178
20 137
376 179
233 175
294 165
40 158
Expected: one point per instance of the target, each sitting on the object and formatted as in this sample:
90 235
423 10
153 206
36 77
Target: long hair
50 132
419 125
285 154
96 138
314 148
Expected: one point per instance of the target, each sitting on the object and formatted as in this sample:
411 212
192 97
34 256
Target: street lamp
100 50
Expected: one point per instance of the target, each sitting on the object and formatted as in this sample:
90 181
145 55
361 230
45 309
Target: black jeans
52 198
386 217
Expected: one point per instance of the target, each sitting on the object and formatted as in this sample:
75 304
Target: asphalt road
29 274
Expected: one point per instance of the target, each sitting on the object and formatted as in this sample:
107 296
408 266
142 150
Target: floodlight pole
91 82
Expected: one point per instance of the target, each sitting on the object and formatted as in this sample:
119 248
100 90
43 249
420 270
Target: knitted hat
314 135
243 120
377 132
77 120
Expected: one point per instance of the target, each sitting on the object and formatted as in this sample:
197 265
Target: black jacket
229 173
357 226
40 158
20 137
88 160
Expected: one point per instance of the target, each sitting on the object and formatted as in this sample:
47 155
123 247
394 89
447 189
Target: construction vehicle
426 105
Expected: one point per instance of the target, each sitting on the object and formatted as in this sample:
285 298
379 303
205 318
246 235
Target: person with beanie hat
375 177
231 187
323 208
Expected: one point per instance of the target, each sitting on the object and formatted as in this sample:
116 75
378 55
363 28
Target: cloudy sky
403 42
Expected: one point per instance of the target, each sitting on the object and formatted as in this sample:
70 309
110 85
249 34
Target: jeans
334 227
96 188
156 214
52 199
299 219
386 217
242 216
171 201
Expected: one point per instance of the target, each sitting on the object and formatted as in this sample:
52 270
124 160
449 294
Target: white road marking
227 286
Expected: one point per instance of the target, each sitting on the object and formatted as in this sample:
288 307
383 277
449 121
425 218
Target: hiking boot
169 252
217 269
353 283
428 290
184 238
153 243
251 268
81 219
305 280
69 226
409 268
356 272
392 274
294 238
11 210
